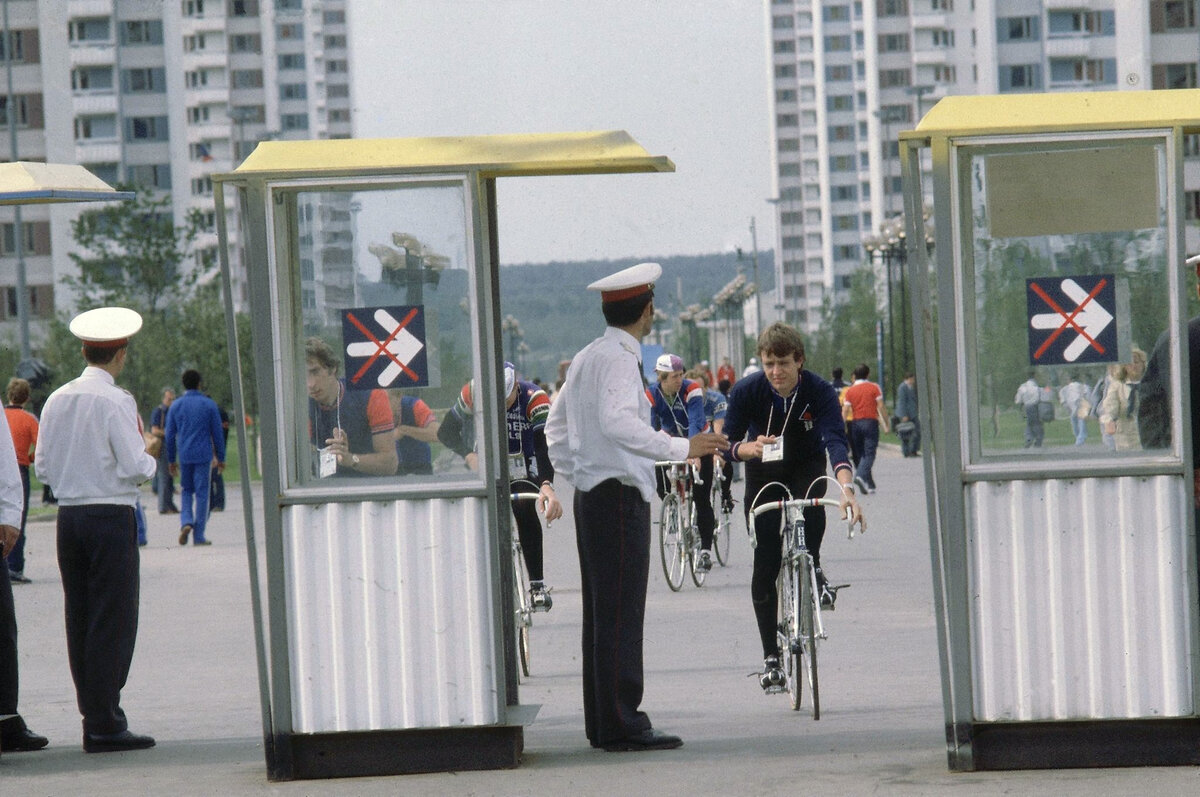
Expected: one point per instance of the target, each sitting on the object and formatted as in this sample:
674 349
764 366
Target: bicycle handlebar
795 503
675 465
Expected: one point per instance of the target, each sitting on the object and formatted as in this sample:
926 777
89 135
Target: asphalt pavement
194 683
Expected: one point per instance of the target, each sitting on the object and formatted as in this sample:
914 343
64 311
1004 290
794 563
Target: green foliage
847 333
132 255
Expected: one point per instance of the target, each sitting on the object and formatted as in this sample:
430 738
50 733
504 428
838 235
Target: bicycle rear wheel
671 542
808 631
522 609
723 529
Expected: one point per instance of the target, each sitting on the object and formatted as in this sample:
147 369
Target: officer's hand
706 443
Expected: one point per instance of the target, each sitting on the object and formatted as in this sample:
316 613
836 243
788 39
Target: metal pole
758 319
888 257
18 227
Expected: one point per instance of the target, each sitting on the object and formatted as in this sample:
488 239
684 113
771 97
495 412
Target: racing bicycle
800 626
523 608
678 533
723 527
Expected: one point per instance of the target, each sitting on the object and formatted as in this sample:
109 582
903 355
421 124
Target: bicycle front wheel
693 546
671 542
789 635
808 631
522 609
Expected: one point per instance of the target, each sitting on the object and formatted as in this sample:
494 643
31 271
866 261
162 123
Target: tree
133 253
847 333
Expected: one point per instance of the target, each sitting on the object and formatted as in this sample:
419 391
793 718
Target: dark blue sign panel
384 347
1072 319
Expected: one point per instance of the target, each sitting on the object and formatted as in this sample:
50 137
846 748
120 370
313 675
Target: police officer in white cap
92 453
600 440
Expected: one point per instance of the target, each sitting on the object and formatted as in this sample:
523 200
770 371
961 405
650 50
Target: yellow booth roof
28 183
1058 112
595 152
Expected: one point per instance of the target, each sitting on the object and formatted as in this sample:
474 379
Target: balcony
1078 46
106 150
94 103
92 54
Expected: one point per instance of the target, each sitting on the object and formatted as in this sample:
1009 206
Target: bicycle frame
682 477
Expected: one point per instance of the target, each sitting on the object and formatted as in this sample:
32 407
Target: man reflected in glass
351 430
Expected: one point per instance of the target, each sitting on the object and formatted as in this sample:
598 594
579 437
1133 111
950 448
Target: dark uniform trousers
8 655
98 559
612 523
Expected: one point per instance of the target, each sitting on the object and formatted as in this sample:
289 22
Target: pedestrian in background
863 408
92 451
1074 398
164 483
194 436
1028 396
908 427
24 429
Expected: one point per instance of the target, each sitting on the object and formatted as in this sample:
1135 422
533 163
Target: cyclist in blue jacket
788 420
677 408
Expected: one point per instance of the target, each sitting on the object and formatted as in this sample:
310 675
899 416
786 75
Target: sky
687 79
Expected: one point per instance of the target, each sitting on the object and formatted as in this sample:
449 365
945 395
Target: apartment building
162 93
848 75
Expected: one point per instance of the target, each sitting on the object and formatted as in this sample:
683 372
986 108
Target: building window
337 42
841 163
785 70
789 170
245 43
847 252
146 128
289 5
14 51
840 102
95 29
41 301
1020 77
254 114
943 38
141 31
847 222
196 79
944 73
791 217
246 78
1173 76
788 145
844 193
243 8
1017 29
293 91
1191 145
941 5
1080 23
786 120
334 17
291 61
290 30
836 13
202 186
837 44
893 43
339 115
293 121
785 95
783 46
1191 203
194 43
105 171
8 242
152 175
95 128
198 114
891 8
1079 70
889 78
193 8
783 22
838 72
98 79
337 91
148 80
1176 15
337 66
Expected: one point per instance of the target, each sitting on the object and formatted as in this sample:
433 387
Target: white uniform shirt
12 494
90 446
599 425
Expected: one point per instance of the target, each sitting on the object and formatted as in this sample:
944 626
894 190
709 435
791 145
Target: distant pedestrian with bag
1029 395
194 436
1074 398
863 408
907 425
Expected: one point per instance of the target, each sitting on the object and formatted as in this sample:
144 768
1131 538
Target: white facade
163 94
848 76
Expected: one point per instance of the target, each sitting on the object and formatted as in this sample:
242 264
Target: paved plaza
194 683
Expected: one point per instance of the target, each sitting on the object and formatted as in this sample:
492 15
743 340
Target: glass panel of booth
1067 262
382 280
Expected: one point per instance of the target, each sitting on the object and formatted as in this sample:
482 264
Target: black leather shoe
649 739
21 741
115 742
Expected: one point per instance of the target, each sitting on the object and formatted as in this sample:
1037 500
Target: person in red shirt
864 410
24 427
725 372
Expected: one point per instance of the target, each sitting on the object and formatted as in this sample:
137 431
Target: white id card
327 462
773 452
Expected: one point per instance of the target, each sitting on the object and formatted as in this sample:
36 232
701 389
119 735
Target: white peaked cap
627 283
106 326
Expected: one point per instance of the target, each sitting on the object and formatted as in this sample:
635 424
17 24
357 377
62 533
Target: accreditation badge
326 462
773 452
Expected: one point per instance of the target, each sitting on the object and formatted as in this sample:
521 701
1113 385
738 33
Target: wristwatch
354 460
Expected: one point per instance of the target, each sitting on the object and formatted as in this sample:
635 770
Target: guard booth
385 626
1065 576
